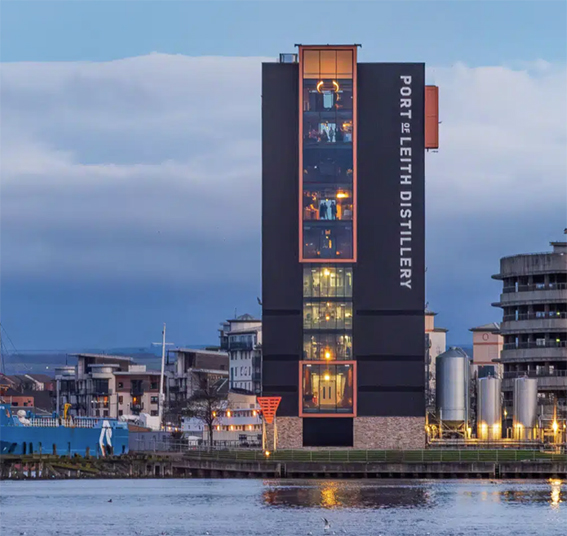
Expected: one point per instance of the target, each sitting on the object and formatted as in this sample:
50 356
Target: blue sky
131 155
440 32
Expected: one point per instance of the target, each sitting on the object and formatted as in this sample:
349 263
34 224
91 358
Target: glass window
327 346
327 203
344 63
328 63
327 388
318 129
327 281
325 62
325 95
327 315
327 241
327 165
311 63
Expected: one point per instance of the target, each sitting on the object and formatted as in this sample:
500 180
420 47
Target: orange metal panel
354 50
269 405
431 117
354 389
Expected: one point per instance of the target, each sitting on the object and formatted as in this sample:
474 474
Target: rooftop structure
487 346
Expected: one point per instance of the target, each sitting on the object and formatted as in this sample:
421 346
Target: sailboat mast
161 394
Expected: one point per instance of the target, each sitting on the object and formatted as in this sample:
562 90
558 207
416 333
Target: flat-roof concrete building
534 326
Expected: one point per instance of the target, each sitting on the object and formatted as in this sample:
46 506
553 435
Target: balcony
534 344
535 286
534 316
554 293
101 392
98 404
534 374
546 380
534 323
249 345
526 352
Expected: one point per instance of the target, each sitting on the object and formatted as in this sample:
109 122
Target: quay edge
177 466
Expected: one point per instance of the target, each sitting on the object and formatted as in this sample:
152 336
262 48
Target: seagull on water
327 525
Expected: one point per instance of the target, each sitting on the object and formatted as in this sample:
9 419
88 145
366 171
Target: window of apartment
120 413
120 399
154 413
105 413
328 388
327 315
100 387
120 385
154 385
154 400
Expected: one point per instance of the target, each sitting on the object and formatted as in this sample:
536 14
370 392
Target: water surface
282 508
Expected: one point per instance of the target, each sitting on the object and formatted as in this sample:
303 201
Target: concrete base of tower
290 433
389 433
381 433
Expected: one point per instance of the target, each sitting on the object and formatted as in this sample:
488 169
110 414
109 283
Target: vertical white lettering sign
405 181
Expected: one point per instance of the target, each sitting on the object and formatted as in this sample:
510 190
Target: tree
207 405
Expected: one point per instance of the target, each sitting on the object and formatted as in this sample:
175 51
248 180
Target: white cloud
150 166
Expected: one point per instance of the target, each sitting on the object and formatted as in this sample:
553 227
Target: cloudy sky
130 155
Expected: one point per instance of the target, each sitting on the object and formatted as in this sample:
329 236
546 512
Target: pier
422 464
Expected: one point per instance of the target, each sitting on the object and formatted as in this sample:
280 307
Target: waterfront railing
52 422
386 456
352 455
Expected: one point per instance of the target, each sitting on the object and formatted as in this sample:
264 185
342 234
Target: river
282 508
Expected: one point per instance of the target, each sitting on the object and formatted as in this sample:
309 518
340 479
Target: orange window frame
354 389
354 49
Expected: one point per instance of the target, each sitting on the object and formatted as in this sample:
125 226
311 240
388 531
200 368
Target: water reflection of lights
329 495
555 492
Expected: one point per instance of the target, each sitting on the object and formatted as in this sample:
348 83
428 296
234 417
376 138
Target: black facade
389 317
282 299
382 339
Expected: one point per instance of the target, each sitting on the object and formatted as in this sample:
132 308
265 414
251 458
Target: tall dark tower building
343 266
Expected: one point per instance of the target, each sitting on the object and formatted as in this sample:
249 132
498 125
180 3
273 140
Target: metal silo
452 371
525 417
489 415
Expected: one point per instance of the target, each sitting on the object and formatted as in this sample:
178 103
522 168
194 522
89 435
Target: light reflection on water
282 507
347 494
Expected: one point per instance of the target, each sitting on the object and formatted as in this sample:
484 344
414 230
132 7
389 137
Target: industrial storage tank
525 417
489 414
452 371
